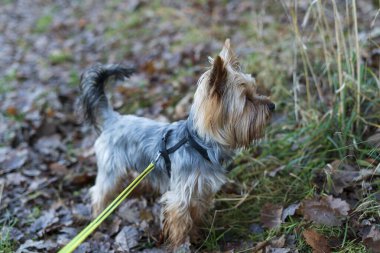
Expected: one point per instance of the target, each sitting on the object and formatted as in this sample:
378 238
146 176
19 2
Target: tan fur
182 218
177 225
227 107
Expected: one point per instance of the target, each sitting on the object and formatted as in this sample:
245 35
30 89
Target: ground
311 185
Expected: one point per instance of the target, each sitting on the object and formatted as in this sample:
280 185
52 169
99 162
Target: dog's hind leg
110 177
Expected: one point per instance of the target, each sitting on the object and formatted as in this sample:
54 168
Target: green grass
5 85
7 245
303 151
59 57
74 78
43 23
317 134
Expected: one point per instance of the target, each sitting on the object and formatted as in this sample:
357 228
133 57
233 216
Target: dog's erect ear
218 76
227 53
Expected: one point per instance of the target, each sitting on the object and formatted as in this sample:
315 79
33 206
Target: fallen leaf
149 67
154 250
50 146
127 238
46 220
30 246
371 239
13 159
325 210
278 242
65 235
271 249
146 215
15 179
58 168
130 210
83 248
289 211
344 175
114 226
271 215
12 111
316 241
82 213
184 248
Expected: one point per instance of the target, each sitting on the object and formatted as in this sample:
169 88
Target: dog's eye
249 98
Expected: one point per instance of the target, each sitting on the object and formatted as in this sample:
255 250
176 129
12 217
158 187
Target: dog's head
226 105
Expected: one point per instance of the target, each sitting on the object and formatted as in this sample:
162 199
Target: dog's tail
93 103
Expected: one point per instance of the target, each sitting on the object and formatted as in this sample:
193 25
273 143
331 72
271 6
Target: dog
227 114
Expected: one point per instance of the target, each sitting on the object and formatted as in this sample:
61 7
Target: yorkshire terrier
227 114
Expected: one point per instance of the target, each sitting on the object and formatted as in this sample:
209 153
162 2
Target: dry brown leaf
58 169
12 110
344 175
278 242
271 215
325 210
371 239
316 241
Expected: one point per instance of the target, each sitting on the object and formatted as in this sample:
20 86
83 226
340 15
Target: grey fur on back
131 142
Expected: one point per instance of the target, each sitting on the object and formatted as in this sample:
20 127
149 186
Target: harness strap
165 152
197 147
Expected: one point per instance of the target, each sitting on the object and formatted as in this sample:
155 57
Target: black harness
165 152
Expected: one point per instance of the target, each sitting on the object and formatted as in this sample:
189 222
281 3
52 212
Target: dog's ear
228 54
218 77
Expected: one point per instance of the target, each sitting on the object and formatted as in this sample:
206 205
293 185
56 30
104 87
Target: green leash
74 243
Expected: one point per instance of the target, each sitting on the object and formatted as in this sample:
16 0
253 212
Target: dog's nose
271 107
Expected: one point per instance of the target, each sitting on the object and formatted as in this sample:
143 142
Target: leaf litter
325 210
316 241
46 158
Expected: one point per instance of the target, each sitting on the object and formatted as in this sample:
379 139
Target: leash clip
157 157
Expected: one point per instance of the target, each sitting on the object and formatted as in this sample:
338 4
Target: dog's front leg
177 222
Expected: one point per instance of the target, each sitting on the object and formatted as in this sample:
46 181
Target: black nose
271 107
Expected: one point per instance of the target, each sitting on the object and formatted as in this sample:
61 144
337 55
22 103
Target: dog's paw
183 248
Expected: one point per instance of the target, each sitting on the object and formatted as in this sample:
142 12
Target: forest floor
311 185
